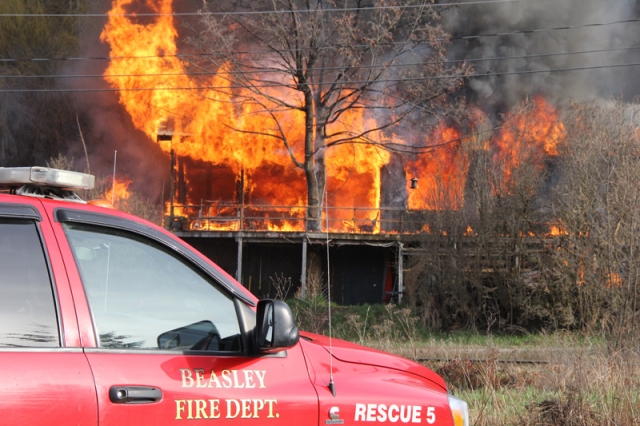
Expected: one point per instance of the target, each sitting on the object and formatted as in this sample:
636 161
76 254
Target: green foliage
37 37
384 324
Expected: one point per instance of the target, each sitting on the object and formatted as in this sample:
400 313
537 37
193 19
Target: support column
400 272
239 270
241 201
303 278
172 188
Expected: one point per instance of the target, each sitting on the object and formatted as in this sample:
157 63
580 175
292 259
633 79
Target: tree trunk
315 171
314 161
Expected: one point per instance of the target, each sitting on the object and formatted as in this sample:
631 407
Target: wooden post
239 270
303 275
400 272
172 188
241 212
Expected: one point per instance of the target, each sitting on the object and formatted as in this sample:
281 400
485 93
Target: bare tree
599 206
480 267
324 60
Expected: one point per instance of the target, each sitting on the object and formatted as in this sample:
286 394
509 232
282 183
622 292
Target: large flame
441 173
205 125
529 136
198 119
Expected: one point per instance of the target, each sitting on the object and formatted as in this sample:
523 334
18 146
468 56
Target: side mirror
275 328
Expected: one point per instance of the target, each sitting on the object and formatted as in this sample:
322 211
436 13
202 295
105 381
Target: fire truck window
144 296
27 307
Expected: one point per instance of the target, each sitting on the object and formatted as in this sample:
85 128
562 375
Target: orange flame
614 280
207 125
469 232
528 137
118 194
558 230
441 173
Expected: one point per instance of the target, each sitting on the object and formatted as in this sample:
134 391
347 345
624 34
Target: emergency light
45 176
45 182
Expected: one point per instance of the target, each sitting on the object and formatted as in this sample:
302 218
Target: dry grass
578 381
564 378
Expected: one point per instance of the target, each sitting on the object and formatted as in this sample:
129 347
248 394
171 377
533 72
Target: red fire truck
108 319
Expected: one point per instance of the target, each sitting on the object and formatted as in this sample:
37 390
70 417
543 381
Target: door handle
134 394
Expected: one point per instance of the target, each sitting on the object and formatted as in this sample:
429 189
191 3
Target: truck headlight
459 411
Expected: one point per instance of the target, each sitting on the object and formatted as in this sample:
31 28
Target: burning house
238 218
241 195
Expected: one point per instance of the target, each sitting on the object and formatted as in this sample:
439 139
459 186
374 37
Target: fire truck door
44 374
169 346
164 389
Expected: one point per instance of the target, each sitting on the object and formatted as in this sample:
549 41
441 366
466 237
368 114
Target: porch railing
216 216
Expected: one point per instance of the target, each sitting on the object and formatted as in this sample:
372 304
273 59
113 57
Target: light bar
44 176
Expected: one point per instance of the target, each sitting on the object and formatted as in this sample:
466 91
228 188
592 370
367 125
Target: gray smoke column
497 93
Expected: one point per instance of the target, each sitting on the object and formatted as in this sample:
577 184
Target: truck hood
352 353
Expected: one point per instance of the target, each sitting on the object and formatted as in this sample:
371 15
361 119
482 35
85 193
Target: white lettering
226 378
371 412
189 409
214 408
187 378
416 414
261 375
394 413
214 379
361 411
201 409
405 413
246 408
235 379
248 379
382 413
229 409
431 415
200 378
257 406
179 408
238 379
394 417
270 402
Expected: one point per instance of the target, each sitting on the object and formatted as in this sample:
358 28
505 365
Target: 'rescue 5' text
394 413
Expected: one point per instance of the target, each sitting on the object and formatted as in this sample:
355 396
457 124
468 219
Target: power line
189 55
469 37
541 30
264 86
249 12
216 53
